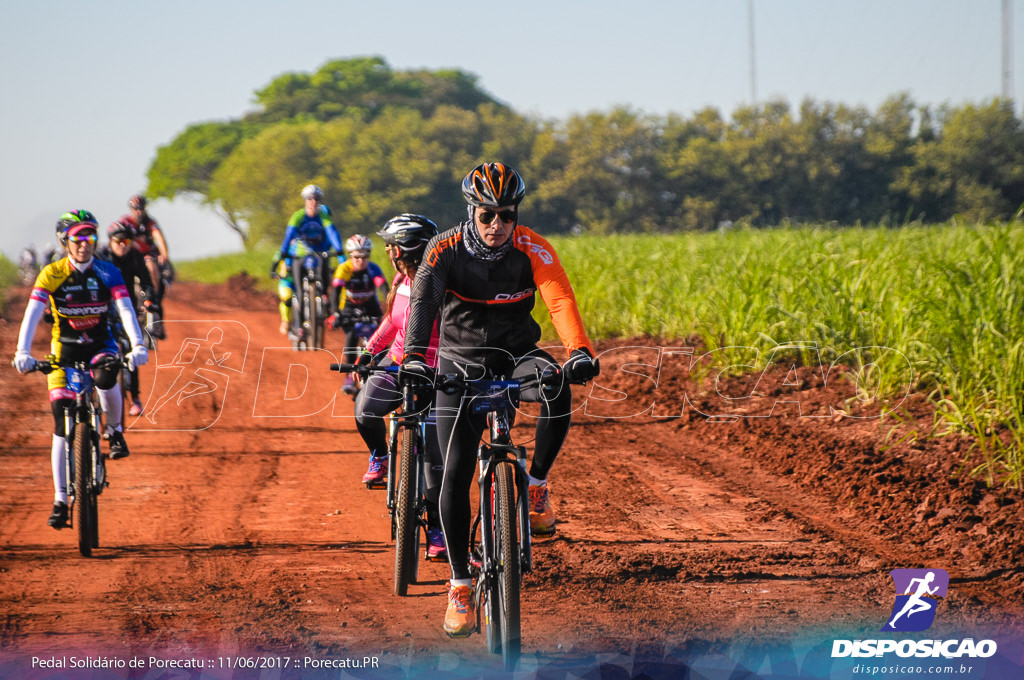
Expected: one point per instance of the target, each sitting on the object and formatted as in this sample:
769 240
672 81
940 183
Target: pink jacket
392 327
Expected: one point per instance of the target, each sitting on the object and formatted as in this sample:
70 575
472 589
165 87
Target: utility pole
753 73
1008 49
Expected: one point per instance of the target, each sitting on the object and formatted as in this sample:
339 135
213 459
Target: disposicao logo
917 596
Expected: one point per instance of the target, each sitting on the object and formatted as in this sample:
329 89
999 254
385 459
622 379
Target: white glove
23 361
137 357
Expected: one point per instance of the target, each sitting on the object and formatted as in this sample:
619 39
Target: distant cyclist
81 291
357 279
150 241
405 238
311 227
28 265
482 277
132 265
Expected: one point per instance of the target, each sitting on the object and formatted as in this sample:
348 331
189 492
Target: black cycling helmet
74 218
493 185
137 202
121 229
409 232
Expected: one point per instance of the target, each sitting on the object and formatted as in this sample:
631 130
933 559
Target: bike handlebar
48 366
451 382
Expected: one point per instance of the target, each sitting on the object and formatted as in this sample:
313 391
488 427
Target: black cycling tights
459 433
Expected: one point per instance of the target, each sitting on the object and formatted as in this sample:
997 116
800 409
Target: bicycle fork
490 457
420 483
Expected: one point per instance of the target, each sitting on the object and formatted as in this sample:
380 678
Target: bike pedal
377 485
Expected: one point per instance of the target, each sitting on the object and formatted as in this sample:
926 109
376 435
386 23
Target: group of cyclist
461 302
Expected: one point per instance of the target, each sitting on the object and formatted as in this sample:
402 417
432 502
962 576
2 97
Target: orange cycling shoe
542 515
460 619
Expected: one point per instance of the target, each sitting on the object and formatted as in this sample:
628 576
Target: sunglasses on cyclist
487 216
121 240
83 238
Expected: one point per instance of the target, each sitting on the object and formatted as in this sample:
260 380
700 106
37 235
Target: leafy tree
982 148
612 175
382 141
364 87
357 90
261 180
188 163
700 179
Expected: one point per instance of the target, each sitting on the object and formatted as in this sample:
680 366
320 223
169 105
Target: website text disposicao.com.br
951 657
903 670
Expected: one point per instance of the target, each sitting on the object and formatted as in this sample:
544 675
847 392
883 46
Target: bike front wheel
319 314
407 525
85 509
509 575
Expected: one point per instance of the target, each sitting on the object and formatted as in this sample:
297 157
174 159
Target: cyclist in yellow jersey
80 291
354 296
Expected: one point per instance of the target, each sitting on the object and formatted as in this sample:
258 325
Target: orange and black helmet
493 185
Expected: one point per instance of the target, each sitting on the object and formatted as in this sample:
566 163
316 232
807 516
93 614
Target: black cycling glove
581 366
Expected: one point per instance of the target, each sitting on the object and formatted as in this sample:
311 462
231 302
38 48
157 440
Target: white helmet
358 243
312 191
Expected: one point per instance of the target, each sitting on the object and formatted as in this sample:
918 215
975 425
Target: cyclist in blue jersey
309 228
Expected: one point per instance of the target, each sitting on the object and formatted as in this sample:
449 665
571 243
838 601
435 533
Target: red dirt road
238 524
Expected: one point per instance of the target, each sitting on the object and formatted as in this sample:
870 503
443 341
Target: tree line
381 141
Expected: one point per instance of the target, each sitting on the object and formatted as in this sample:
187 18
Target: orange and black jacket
485 306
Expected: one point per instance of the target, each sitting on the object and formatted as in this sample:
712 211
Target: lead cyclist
80 291
482 277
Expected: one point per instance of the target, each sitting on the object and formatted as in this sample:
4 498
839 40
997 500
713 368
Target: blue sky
91 89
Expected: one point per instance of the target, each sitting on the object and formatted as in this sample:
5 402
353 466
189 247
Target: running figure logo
917 593
190 391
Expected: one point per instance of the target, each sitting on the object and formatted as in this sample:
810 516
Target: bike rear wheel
509 571
85 493
407 525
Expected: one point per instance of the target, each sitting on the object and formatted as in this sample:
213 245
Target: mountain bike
406 500
309 298
84 461
500 537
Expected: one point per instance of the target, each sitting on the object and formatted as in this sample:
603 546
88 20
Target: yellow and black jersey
80 301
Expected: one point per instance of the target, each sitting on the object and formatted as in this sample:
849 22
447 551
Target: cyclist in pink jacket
405 238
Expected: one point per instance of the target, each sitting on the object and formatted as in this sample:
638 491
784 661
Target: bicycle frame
416 426
85 412
500 398
309 269
85 409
